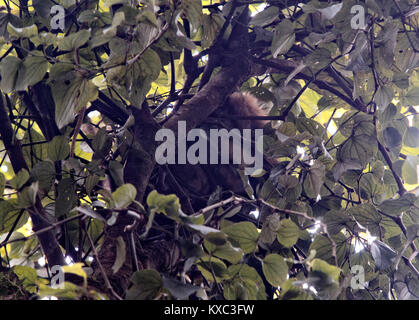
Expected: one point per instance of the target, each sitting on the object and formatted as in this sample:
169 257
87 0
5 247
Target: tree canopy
86 212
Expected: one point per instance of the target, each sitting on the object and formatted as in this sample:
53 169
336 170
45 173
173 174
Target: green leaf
66 198
70 95
387 39
284 38
35 68
2 184
192 9
58 148
410 169
19 179
211 25
316 178
10 67
225 251
120 255
74 40
178 289
250 279
319 265
44 173
265 16
166 204
392 137
270 228
412 96
411 137
26 32
395 207
359 148
28 276
209 265
124 196
288 233
275 269
9 212
244 234
147 284
384 256
384 96
368 217
27 197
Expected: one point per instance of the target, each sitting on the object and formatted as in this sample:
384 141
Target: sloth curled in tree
200 181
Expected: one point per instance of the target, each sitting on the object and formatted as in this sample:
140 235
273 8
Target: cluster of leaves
344 140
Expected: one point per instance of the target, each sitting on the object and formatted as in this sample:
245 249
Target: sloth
200 181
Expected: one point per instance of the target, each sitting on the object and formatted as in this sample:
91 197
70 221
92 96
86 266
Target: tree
85 87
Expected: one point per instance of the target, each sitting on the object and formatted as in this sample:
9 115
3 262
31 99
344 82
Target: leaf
166 204
120 255
288 233
2 184
225 251
192 9
284 38
410 169
147 284
265 16
10 67
244 234
392 137
275 269
74 40
368 217
28 276
330 12
384 96
9 212
316 178
19 179
77 269
318 59
44 172
387 39
211 25
319 265
270 228
209 265
35 66
27 197
43 7
66 198
359 148
58 148
203 230
411 137
70 95
384 256
250 279
26 32
395 207
341 167
178 289
124 196
412 96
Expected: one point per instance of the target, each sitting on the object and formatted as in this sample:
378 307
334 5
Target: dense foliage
333 215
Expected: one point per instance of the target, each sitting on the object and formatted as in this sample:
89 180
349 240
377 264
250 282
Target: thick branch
47 240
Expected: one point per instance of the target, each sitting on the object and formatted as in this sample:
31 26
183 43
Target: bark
47 239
